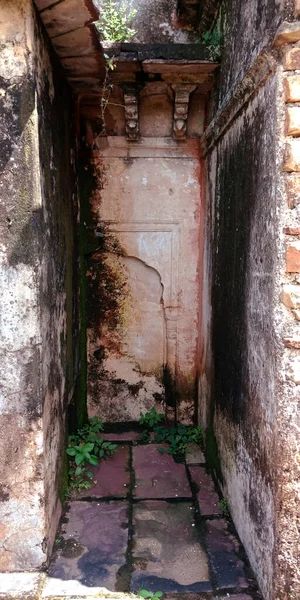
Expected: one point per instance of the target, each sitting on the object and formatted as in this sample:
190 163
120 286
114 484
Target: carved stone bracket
131 102
181 109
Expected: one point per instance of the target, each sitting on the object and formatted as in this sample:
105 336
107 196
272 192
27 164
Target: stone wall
249 367
39 348
156 22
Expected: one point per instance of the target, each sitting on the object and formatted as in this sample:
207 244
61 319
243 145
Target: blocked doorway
143 275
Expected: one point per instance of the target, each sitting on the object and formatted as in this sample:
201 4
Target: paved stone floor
150 522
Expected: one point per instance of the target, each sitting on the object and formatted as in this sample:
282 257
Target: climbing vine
114 26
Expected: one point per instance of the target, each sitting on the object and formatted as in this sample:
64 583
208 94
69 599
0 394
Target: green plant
223 506
150 595
151 418
213 39
144 437
115 21
86 447
114 26
178 437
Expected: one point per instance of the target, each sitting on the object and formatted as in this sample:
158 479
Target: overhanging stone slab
42 4
67 16
80 42
85 86
82 66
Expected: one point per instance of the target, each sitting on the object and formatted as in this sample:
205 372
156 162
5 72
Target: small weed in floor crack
86 447
151 418
150 595
223 506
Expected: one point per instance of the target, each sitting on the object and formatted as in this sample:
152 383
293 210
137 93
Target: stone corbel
181 109
131 102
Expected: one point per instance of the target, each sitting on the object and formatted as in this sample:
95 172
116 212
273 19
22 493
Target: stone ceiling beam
69 24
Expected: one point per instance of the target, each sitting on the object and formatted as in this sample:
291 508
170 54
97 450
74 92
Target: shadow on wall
16 106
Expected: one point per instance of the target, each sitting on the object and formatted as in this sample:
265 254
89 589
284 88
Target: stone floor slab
223 548
207 496
158 475
235 597
93 543
167 553
194 455
126 436
112 476
21 585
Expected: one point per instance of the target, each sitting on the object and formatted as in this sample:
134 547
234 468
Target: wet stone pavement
150 522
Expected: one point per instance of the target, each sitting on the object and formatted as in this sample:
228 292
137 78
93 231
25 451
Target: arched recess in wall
156 110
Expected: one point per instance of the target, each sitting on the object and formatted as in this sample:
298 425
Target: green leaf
112 446
145 594
101 453
79 459
89 447
71 451
78 470
89 474
93 460
158 594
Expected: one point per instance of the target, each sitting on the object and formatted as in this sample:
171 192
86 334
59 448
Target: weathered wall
143 281
156 22
253 396
249 30
38 304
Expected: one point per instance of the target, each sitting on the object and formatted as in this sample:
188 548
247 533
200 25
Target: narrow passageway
151 523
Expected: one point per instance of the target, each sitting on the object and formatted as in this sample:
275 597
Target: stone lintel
119 147
189 52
